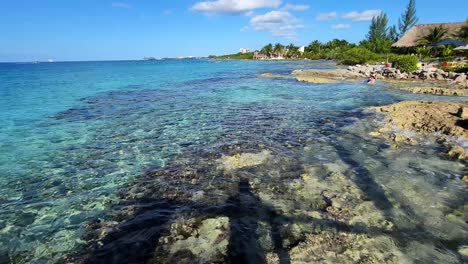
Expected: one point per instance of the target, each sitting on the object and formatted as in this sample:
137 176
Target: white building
302 49
244 50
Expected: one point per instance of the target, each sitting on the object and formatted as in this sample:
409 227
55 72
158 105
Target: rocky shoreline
426 80
448 121
423 73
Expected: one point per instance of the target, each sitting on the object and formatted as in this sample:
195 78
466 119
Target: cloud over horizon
234 7
278 23
362 16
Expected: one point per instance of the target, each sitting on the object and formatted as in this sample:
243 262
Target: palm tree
315 47
267 50
436 34
292 51
463 33
278 49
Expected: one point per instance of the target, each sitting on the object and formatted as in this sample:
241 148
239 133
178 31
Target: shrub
237 56
462 70
357 55
406 63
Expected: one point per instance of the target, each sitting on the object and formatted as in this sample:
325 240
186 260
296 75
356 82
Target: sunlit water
82 141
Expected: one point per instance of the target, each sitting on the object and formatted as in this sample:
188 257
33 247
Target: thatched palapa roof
412 37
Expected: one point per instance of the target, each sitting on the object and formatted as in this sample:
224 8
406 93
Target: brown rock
458 152
425 117
462 112
313 79
465 179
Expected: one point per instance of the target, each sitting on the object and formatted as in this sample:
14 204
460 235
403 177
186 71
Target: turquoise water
75 135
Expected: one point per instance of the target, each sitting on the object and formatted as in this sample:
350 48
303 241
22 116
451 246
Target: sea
76 139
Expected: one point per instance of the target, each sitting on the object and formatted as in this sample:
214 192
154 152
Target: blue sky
131 29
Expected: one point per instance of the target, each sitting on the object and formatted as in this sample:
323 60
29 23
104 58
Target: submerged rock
243 160
195 241
313 79
273 75
458 152
465 179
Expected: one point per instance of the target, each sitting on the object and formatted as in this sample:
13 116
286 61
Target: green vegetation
331 50
423 52
358 55
406 63
435 35
456 69
463 33
408 18
237 56
375 48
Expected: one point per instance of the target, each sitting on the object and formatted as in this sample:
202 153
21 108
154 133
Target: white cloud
121 5
249 13
341 26
295 7
233 7
326 16
363 16
278 23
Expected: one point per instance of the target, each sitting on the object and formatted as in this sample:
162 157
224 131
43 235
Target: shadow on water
375 193
135 240
244 246
462 123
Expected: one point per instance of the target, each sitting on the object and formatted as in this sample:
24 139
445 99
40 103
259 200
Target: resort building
301 49
413 36
260 56
244 50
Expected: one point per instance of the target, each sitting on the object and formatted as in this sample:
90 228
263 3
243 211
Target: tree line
377 45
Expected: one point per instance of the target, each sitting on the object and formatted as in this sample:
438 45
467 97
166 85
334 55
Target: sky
70 30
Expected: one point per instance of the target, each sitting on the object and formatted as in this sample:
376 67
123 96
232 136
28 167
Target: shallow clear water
77 137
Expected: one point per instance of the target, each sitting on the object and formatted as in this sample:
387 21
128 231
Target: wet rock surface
443 120
255 205
426 117
423 81
325 76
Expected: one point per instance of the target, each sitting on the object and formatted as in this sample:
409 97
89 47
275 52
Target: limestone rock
460 78
312 79
465 179
462 112
239 161
458 152
202 242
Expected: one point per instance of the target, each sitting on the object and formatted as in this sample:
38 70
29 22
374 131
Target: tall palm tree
463 33
436 34
278 49
292 51
267 50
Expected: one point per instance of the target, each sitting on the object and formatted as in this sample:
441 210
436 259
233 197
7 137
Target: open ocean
76 137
